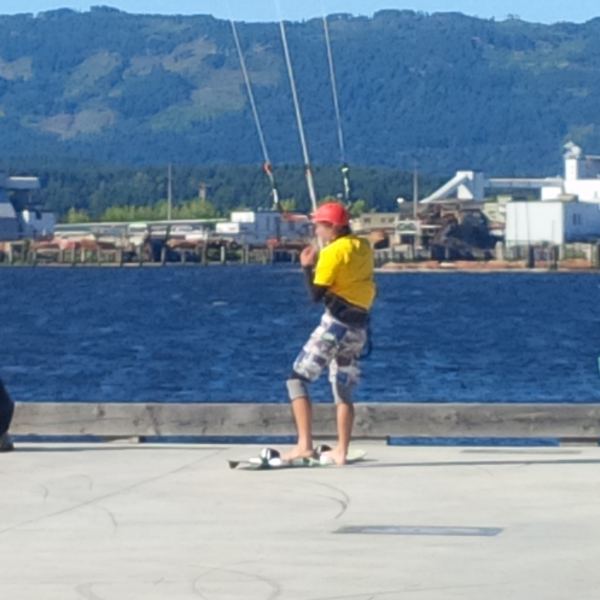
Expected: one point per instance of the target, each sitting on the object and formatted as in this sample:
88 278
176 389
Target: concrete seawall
373 421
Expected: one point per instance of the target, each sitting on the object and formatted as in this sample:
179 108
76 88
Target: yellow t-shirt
346 267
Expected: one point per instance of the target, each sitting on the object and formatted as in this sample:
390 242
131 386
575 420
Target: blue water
231 333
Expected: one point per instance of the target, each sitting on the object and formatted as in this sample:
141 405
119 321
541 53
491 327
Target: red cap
332 212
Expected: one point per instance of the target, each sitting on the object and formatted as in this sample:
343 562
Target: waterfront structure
369 222
21 215
551 222
581 182
567 210
259 227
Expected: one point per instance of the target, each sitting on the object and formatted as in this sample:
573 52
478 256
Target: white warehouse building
582 177
569 207
258 227
551 222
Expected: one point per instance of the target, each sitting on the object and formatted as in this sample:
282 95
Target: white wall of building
551 222
551 193
228 228
534 223
587 190
248 227
582 176
572 168
243 216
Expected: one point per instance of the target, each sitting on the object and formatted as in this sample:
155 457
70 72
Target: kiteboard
269 459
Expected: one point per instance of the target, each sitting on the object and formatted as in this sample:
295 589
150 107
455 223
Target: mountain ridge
447 90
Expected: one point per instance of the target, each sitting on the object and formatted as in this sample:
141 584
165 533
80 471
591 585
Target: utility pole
416 210
416 191
203 191
170 194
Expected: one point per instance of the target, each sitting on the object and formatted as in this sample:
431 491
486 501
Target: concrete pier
121 522
373 421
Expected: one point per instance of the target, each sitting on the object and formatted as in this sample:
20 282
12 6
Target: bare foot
297 452
337 455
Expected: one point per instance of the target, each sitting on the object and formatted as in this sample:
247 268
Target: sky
543 11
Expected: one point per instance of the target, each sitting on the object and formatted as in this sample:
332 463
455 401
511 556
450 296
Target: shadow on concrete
106 448
476 463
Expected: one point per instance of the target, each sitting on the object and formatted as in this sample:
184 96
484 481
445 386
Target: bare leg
302 411
345 421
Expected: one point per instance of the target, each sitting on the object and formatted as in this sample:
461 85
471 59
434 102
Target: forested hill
450 90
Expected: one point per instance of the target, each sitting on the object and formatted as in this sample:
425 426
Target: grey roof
22 183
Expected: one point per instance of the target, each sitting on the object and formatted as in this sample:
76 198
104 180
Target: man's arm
317 292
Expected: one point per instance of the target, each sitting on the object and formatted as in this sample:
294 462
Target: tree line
92 193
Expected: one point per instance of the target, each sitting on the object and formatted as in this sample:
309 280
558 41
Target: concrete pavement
125 522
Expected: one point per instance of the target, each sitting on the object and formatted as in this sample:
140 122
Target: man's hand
308 256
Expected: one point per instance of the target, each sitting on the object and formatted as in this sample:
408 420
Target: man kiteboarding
341 276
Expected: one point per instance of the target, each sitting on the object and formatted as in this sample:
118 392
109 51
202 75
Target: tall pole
416 209
170 194
416 192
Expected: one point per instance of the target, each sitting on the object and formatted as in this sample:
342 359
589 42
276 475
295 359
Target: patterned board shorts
337 346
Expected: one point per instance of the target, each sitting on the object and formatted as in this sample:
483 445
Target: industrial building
21 216
567 210
258 227
551 222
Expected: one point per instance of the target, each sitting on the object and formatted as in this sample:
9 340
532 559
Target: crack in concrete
107 496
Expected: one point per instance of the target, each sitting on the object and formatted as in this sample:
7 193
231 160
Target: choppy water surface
231 333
